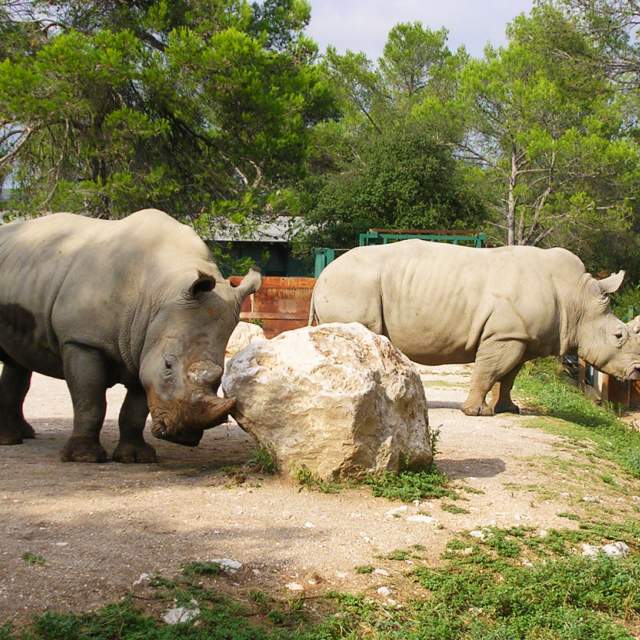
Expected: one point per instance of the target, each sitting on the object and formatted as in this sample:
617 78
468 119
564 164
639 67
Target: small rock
309 525
589 550
467 551
227 564
542 533
342 575
476 533
381 572
635 498
142 579
590 499
294 586
181 614
61 544
527 563
384 591
616 550
421 518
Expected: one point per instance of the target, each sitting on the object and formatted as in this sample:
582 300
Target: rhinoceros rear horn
250 284
202 284
612 283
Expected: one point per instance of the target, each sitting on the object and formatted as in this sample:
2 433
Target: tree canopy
226 110
188 106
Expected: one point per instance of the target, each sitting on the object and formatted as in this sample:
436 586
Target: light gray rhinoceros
445 304
136 301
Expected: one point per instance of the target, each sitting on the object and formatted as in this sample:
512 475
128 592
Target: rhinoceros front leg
85 371
495 359
14 384
501 401
133 415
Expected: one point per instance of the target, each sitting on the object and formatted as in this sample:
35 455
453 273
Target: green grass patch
411 485
192 569
364 569
482 591
453 508
263 461
398 554
569 516
33 559
306 478
550 391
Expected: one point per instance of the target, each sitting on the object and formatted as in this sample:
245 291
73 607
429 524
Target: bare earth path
99 527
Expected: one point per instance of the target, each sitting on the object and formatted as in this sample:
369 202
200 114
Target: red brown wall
280 305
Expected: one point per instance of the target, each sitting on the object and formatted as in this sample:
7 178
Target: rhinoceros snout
634 373
186 438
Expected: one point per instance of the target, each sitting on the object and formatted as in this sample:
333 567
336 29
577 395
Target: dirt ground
99 527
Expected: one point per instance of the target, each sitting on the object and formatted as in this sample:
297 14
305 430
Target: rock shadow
472 467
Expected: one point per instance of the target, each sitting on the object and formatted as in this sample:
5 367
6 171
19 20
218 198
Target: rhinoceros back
68 278
436 301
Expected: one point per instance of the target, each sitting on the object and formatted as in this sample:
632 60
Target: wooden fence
280 305
602 386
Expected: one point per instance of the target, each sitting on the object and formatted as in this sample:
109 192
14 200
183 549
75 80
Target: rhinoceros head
183 358
604 340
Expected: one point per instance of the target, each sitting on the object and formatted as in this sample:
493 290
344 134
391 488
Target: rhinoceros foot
14 432
129 452
477 410
507 407
83 450
27 430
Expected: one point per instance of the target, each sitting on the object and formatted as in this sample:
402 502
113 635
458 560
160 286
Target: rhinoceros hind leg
14 385
85 371
133 415
495 360
501 393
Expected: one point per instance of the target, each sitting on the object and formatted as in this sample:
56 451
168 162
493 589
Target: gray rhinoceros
136 301
445 304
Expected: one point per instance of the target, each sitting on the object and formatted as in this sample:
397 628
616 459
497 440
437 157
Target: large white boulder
245 333
337 399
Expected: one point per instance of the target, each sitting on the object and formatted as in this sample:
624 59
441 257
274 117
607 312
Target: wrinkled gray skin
96 302
445 304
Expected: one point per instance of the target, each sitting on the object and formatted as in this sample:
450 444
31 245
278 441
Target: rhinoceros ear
612 283
201 285
249 284
634 325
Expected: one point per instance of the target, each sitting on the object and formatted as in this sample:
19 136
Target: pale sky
362 25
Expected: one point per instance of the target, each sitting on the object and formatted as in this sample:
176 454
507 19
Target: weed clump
411 485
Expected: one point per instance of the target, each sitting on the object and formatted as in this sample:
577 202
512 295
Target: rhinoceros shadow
443 404
224 446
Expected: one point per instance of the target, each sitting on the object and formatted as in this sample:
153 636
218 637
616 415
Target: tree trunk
511 201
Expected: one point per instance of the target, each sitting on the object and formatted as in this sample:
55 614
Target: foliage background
226 112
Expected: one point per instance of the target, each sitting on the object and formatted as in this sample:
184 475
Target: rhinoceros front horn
218 411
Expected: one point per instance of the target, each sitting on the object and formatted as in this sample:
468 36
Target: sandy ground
99 527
